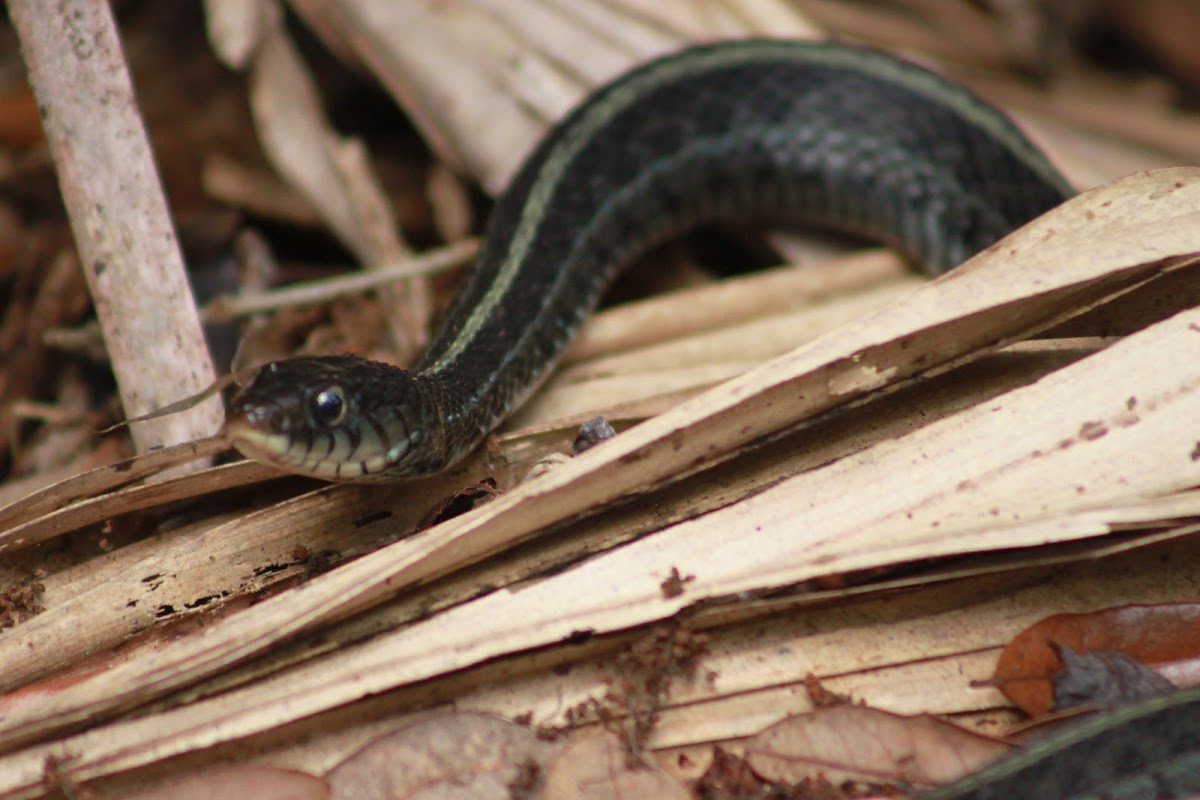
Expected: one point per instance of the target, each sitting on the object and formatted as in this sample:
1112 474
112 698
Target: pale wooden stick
120 218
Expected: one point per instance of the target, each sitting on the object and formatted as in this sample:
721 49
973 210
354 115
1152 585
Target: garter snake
813 133
766 130
1147 750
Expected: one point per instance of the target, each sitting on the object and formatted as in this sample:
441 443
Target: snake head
336 418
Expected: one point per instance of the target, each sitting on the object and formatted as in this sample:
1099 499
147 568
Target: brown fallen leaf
866 745
475 756
261 783
1160 634
595 767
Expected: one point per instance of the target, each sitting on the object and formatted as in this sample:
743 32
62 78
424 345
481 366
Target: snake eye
329 406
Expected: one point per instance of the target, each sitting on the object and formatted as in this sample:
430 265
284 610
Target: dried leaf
469 756
866 745
1150 634
596 767
261 783
234 28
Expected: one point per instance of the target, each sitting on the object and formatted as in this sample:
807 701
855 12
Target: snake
769 131
1148 749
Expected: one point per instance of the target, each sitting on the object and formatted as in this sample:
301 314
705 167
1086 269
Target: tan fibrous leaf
866 745
468 756
261 783
596 767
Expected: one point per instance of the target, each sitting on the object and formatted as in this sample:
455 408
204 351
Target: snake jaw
259 445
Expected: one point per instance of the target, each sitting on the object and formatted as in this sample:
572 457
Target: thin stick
120 218
322 291
86 338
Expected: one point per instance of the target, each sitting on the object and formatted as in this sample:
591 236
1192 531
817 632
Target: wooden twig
120 218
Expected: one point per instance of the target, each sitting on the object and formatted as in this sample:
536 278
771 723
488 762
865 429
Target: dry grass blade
99 480
107 506
331 172
1005 293
514 67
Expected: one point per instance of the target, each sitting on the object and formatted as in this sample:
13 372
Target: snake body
821 134
751 130
1146 750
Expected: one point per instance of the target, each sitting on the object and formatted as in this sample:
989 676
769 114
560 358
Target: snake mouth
276 449
324 456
